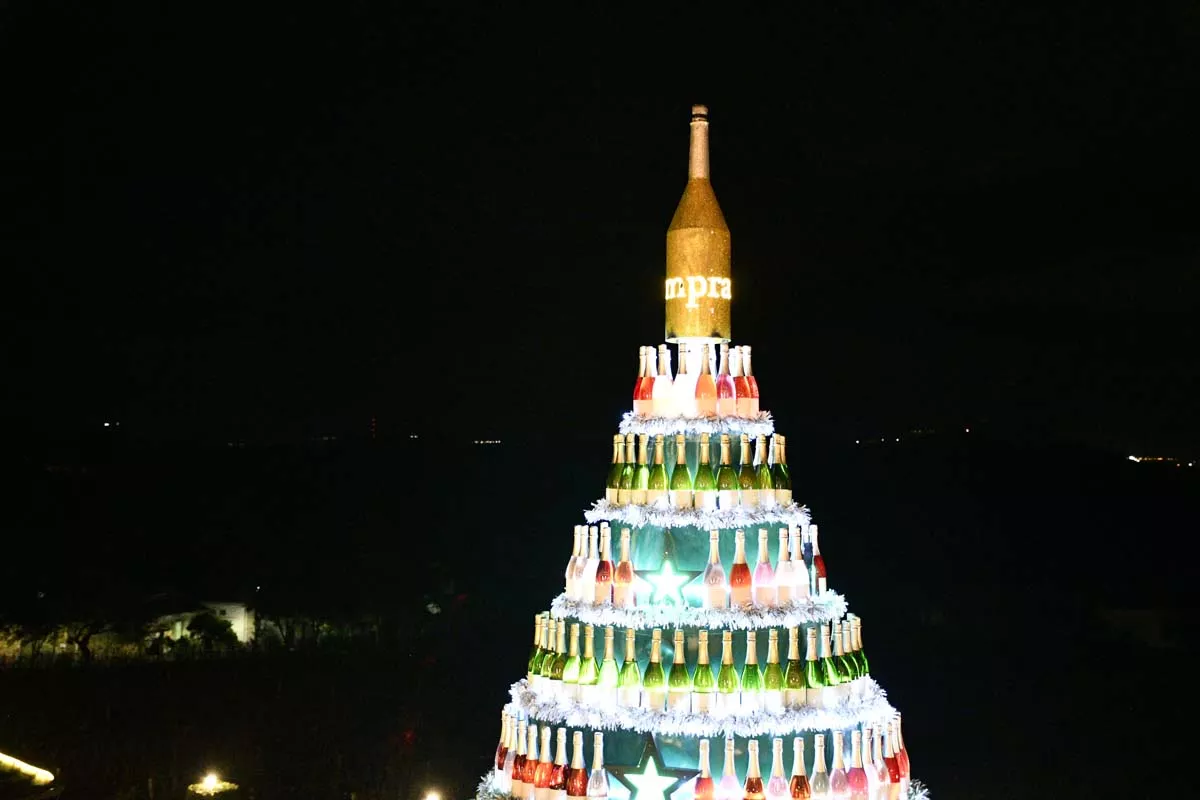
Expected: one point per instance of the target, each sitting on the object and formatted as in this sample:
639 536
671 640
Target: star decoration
650 778
666 585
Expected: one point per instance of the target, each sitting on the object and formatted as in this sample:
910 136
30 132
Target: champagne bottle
848 658
880 779
727 480
785 571
623 576
814 678
902 758
706 387
569 573
589 670
714 574
747 484
529 773
609 677
639 409
752 679
547 652
763 479
502 748
765 591
828 670
577 776
597 786
580 566
773 683
726 397
702 679
750 380
839 785
740 579
892 762
818 562
560 660
551 656
754 781
779 474
558 773
798 786
587 582
656 484
820 779
777 786
614 471
839 660
654 682
629 683
858 643
625 491
602 592
641 475
681 479
793 676
651 379
705 485
730 788
504 776
856 776
536 654
663 396
800 574
517 776
704 783
741 386
679 682
727 678
541 777
571 668
685 383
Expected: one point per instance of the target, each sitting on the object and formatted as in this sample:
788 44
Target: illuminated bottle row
834 659
798 572
761 481
878 768
706 386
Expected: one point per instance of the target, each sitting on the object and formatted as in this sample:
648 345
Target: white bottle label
743 407
726 406
587 695
716 597
739 597
753 407
638 497
558 794
793 698
749 498
639 408
654 699
766 499
783 497
681 498
751 701
629 696
653 495
543 793
620 596
773 700
765 596
816 697
679 700
623 497
610 494
701 702
783 594
727 498
706 406
727 702
706 501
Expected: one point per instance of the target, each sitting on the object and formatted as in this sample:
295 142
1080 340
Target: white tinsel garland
870 707
826 608
662 515
669 426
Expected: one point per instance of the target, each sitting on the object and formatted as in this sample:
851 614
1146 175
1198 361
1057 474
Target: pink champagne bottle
729 788
741 384
704 783
753 384
638 407
856 777
764 575
726 394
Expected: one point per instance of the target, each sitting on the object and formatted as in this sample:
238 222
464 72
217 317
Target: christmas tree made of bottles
697 625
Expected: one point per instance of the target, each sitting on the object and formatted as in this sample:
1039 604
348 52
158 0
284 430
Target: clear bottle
587 582
571 668
726 397
597 786
679 682
800 575
703 684
589 670
685 384
681 479
751 381
558 773
706 387
798 786
762 475
704 487
741 386
729 787
727 698
765 591
727 479
839 784
541 776
780 475
609 677
752 679
641 473
517 776
777 786
654 682
754 781
785 576
747 485
793 676
502 747
577 775
537 654
663 394
580 566
704 787
814 677
614 471
856 776
656 484
622 584
714 574
773 682
740 579
629 682
625 491
639 402
882 778
820 778
569 573
603 583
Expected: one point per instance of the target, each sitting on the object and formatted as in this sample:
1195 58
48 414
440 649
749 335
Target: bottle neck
746 362
727 649
735 363
625 545
545 748
678 642
704 360
794 644
837 641
537 631
752 760
764 547
819 754
783 451
746 454
680 452
619 448
545 643
784 551
723 369
574 653
598 751
616 457
592 548
729 770
521 740
658 451
703 764
824 643
838 763
651 362
589 644
811 655
562 639
698 149
630 644
773 648
739 548
762 450
798 757
560 755
608 644
630 449
725 457
812 537
751 648
664 362
702 651
577 751
704 449
606 546
656 650
856 761
777 758
643 445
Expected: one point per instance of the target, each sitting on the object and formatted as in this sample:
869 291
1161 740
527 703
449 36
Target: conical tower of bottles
699 648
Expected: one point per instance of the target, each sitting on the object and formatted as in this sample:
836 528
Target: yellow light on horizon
432 795
39 776
211 784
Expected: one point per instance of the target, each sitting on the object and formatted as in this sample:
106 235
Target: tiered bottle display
697 609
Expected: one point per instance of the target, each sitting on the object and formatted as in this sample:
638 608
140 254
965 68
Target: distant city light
1155 459
432 795
211 784
487 441
968 430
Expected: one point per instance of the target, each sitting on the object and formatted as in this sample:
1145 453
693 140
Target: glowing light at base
211 784
39 776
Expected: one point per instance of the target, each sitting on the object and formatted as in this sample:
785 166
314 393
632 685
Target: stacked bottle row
706 386
879 767
760 480
834 659
798 573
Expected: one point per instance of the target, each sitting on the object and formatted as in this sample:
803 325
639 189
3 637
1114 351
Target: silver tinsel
662 515
669 426
828 607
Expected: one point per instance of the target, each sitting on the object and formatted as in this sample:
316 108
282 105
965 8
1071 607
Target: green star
650 779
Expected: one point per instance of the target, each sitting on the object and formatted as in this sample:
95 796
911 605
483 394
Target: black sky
265 221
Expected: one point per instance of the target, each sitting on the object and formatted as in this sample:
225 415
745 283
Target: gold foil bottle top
698 287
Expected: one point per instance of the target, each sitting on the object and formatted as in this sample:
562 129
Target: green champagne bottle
625 491
848 646
762 475
747 485
681 479
560 655
814 678
727 677
727 479
629 683
609 675
536 651
654 682
589 670
752 678
679 682
571 668
614 471
545 651
773 674
703 684
828 670
551 655
858 643
656 485
705 485
842 664
793 676
641 473
779 474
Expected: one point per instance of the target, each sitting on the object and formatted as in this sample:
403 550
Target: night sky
270 221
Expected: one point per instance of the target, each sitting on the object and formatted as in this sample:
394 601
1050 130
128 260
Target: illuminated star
667 584
650 779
